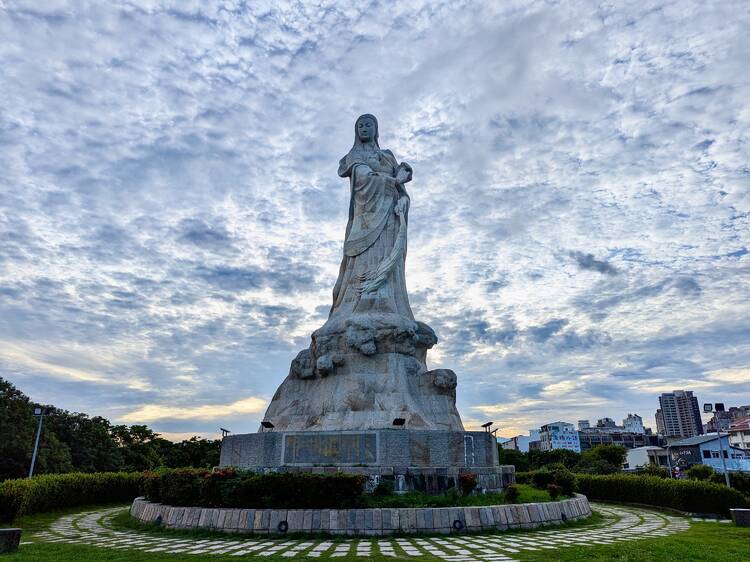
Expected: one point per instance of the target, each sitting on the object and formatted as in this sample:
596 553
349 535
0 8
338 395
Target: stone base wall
429 461
364 521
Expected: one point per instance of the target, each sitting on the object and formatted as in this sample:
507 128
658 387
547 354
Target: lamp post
40 413
718 407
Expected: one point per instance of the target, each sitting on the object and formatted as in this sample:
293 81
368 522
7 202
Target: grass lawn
704 542
714 542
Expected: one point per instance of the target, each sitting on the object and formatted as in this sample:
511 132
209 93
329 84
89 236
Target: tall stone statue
361 399
366 366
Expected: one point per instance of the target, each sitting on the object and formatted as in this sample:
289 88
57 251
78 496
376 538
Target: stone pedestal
429 461
9 540
741 517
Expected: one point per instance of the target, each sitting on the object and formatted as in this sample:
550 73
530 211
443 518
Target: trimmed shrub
216 486
541 478
700 472
384 488
557 475
182 486
652 469
523 477
59 491
467 481
554 491
740 481
229 488
685 495
511 493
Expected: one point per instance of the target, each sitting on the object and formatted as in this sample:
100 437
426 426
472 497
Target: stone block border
382 521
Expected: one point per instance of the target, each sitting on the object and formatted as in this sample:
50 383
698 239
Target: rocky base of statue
363 374
428 461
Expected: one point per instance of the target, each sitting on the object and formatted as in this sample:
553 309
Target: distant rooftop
696 440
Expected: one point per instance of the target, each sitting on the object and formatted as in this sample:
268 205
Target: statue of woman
366 366
371 277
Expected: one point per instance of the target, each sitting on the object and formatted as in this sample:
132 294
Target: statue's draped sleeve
369 204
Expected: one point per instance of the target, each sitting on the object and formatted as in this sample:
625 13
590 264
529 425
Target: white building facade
739 434
559 435
633 424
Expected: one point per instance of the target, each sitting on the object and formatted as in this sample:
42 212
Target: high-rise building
633 424
660 429
606 423
679 414
583 424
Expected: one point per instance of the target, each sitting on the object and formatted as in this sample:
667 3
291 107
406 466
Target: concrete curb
369 522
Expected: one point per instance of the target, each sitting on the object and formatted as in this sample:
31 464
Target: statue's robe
371 234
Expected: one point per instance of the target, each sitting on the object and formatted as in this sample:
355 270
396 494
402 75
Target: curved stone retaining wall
364 521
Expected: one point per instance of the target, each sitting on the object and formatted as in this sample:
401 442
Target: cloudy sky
171 221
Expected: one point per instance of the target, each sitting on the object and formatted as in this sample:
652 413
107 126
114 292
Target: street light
719 407
39 412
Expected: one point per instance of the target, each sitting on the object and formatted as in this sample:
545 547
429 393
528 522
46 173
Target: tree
700 472
516 458
17 426
92 447
74 441
539 459
613 454
602 459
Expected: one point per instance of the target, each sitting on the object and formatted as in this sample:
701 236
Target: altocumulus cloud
171 222
156 412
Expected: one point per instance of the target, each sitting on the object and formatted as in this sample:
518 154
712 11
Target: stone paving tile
621 524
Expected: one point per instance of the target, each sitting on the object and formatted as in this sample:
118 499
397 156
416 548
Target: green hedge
523 477
684 495
59 491
229 488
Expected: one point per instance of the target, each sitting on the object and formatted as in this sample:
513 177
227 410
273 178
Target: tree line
75 442
602 459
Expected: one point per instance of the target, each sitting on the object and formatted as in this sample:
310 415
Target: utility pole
713 408
37 412
723 460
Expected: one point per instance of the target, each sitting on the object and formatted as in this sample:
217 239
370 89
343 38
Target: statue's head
366 129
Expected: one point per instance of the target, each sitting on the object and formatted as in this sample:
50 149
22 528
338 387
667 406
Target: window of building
706 454
715 454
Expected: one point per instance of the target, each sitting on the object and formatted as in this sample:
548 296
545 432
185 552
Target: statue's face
366 129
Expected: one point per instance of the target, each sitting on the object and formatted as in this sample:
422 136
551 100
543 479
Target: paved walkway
621 524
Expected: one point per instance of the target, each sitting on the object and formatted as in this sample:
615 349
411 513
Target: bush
740 481
594 465
518 459
229 488
511 493
652 469
384 488
467 482
539 459
60 491
181 486
523 477
213 488
554 491
555 474
700 472
684 495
